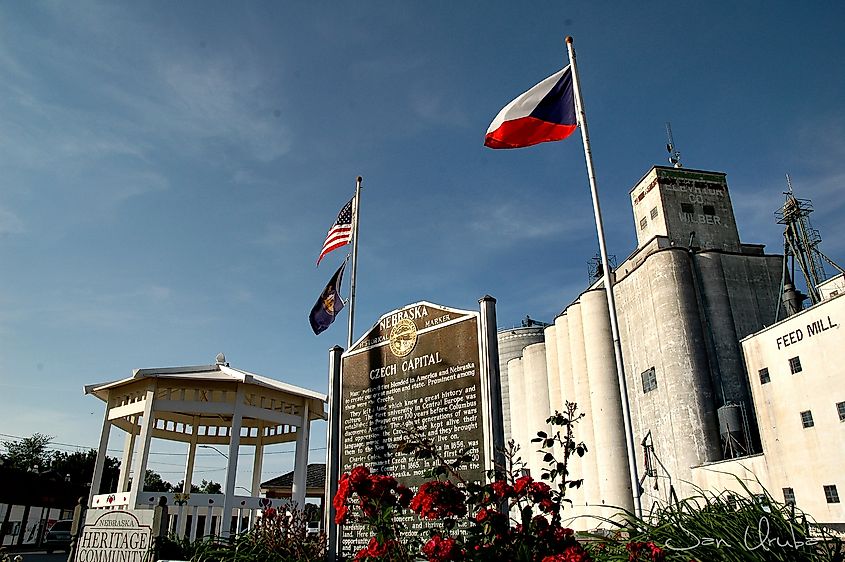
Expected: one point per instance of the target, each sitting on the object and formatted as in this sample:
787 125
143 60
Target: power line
52 446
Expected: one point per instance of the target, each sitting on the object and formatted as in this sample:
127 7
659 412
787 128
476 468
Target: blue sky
169 169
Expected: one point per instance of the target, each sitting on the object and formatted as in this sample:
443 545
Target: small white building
797 374
199 406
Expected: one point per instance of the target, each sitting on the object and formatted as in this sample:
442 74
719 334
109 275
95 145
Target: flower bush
517 518
475 520
277 536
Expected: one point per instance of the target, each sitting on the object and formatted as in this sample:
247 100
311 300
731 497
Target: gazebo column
139 466
257 466
102 450
126 461
192 453
300 466
258 461
232 468
183 510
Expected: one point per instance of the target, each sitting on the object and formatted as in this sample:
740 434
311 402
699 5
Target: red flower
501 489
572 553
359 475
547 505
539 523
521 485
374 549
438 549
539 488
340 498
635 549
482 515
439 499
404 495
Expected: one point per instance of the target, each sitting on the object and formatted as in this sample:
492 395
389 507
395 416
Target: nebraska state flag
329 304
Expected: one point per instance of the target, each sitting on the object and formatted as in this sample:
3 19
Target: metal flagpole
335 367
611 302
356 207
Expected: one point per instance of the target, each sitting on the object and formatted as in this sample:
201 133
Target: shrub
516 518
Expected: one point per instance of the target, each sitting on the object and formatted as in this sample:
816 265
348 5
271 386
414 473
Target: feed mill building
689 298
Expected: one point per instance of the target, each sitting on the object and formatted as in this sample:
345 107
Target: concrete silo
535 408
511 343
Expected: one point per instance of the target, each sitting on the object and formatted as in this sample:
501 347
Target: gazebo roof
220 372
198 403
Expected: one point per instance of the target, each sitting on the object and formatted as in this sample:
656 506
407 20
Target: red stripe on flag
526 131
337 237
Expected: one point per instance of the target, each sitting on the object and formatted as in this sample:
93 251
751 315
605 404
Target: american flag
340 234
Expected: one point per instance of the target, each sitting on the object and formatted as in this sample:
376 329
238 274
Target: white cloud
514 222
219 99
10 223
275 235
433 108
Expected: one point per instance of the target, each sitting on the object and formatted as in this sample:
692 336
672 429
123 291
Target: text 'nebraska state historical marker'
418 368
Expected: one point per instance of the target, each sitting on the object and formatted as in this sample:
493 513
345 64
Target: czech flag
544 113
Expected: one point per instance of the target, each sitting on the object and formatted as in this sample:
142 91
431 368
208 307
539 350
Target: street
39 556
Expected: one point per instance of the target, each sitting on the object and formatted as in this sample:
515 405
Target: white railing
203 512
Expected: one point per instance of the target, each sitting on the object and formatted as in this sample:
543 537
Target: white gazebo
203 405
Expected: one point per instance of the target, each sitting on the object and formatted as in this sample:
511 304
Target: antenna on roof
801 242
674 153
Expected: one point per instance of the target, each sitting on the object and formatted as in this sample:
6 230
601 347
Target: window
795 365
654 213
687 208
649 380
709 210
789 496
807 419
840 407
643 223
830 494
764 375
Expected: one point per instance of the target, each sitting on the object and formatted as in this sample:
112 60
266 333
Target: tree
154 483
30 453
206 487
77 468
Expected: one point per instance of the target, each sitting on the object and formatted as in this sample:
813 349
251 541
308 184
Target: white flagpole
356 207
611 302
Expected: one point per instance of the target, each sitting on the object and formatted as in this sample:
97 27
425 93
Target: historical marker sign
116 536
418 368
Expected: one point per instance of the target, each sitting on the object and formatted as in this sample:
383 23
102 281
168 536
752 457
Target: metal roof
212 373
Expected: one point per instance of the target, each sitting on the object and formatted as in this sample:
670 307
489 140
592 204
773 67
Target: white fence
195 515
